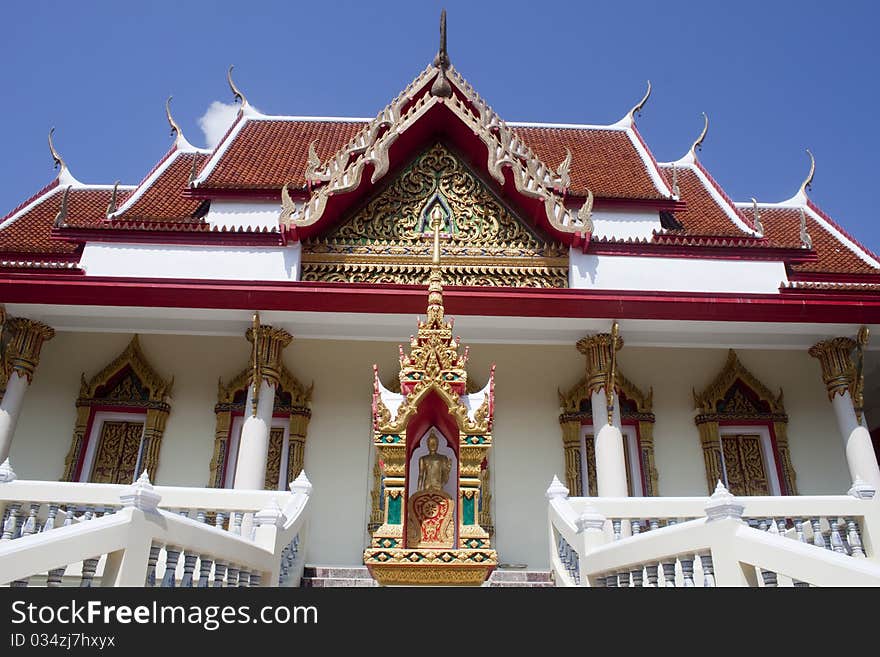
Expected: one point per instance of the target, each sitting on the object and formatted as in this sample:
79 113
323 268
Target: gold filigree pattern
734 397
384 242
22 353
127 381
116 456
744 465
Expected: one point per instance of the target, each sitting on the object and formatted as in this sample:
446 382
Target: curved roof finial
808 182
59 161
235 90
638 107
441 86
175 129
698 144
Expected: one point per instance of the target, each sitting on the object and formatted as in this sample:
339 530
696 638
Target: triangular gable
405 126
386 240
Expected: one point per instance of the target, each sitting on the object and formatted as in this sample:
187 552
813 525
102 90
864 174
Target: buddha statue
430 508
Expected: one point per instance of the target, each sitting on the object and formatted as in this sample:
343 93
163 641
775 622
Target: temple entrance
744 467
117 453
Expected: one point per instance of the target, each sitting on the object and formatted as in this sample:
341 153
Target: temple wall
528 447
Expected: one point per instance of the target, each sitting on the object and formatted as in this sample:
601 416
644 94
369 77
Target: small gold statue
430 508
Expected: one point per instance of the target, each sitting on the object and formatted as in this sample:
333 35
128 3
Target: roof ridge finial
756 216
111 207
59 161
698 144
808 182
441 87
637 109
61 215
175 129
235 90
806 240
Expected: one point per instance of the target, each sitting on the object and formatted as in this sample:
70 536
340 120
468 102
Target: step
521 577
336 582
343 572
520 585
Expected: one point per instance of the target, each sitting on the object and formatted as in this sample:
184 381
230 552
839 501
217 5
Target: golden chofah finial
698 144
59 161
808 182
235 90
175 129
637 109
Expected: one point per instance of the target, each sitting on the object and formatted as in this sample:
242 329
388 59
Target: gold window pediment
485 243
129 381
735 398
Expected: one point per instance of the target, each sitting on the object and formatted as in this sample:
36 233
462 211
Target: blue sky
774 78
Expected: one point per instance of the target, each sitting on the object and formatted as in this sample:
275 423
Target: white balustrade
61 533
789 541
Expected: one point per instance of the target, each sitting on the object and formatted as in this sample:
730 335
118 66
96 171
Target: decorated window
120 421
743 434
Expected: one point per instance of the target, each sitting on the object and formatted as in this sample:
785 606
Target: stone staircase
345 576
501 577
336 576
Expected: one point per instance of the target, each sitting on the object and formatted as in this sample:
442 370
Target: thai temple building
434 347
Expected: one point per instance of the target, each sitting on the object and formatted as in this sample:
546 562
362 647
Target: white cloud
216 121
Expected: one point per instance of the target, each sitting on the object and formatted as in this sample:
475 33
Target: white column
608 440
860 456
10 407
253 446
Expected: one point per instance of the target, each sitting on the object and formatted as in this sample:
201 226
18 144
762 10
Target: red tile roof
266 154
30 233
163 199
783 225
603 161
704 214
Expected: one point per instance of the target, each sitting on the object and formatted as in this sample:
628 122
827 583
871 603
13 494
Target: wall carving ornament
291 398
386 241
734 397
576 411
129 381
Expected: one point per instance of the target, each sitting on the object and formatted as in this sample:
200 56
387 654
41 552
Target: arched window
287 434
743 434
637 427
120 420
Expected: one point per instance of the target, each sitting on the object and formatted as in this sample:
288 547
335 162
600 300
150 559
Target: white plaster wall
673 274
625 223
528 447
243 215
183 261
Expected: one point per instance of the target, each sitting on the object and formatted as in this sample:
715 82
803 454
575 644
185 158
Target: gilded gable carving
485 244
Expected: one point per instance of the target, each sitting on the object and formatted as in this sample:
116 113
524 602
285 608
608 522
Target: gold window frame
93 395
573 417
300 415
710 419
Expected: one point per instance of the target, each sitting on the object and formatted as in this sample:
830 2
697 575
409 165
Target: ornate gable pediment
737 393
129 377
387 239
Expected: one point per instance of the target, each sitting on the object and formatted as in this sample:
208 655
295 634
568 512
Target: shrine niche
138 398
292 400
432 440
743 433
636 409
385 241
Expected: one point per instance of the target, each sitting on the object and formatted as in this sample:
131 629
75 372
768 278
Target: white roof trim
572 126
647 160
220 149
58 188
689 163
793 204
141 190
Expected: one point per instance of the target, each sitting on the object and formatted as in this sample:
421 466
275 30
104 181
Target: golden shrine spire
435 280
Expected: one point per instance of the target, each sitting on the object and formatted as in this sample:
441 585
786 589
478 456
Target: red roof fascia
795 306
667 250
178 234
831 277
